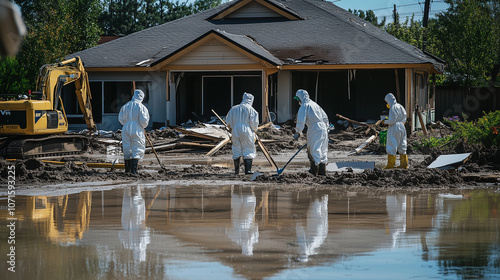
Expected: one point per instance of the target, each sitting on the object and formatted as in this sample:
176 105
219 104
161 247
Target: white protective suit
134 117
312 115
396 134
243 121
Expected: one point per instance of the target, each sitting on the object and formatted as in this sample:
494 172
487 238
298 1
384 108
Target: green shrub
484 130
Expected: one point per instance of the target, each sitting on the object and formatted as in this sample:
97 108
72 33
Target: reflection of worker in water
396 212
134 117
135 235
314 234
244 231
312 115
243 121
396 134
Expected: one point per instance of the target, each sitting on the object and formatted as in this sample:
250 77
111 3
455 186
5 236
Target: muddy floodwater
251 232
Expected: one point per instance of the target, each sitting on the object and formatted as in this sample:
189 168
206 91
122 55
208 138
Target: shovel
280 170
153 148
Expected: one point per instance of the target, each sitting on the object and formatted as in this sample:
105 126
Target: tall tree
56 28
468 34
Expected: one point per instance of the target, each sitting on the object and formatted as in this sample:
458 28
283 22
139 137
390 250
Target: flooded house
270 48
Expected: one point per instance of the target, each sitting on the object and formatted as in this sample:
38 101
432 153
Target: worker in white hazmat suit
312 115
396 133
134 117
243 121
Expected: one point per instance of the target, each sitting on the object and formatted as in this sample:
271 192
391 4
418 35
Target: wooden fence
456 101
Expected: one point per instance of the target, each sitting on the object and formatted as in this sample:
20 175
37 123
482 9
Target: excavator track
56 145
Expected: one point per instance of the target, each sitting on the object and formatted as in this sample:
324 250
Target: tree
56 28
128 16
468 35
369 16
12 77
411 31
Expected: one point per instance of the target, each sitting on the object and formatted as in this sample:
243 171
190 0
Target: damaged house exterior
269 48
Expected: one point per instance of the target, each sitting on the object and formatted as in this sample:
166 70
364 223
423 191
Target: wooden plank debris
421 119
363 145
192 132
218 147
371 129
267 154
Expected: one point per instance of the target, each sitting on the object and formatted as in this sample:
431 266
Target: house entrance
199 93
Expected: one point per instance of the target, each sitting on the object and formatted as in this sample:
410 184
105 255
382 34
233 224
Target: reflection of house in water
244 230
135 234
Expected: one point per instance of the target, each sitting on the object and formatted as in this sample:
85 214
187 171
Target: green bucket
383 137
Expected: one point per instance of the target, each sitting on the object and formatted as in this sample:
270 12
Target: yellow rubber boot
403 162
391 160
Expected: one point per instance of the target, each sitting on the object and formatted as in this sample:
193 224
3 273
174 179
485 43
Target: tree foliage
369 16
12 77
56 28
123 17
468 36
410 31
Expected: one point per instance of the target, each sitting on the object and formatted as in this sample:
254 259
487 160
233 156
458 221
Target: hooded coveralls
396 134
312 115
134 117
243 120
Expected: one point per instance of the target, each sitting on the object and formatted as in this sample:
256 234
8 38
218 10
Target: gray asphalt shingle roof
326 33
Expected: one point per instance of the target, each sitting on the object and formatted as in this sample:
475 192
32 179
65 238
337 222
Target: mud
484 162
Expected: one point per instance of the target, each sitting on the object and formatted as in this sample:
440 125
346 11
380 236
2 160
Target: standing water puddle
244 232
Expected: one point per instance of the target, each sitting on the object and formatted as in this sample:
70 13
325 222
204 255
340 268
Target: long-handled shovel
153 148
280 170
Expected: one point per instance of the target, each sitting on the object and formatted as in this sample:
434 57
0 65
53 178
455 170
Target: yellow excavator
33 125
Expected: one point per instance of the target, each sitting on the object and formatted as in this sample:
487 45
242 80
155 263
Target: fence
456 101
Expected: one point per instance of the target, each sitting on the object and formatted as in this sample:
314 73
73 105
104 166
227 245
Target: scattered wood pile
368 129
211 137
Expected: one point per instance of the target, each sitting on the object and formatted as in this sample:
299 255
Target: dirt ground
481 169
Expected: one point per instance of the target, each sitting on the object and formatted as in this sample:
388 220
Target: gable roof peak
256 9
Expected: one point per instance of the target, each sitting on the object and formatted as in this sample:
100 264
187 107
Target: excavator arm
53 77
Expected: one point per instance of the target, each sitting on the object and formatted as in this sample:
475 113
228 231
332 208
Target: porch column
265 97
410 100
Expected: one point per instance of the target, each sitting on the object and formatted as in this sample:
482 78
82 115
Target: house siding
213 52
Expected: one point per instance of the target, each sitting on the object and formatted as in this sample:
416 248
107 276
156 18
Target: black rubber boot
248 166
314 170
133 165
311 162
322 169
127 166
237 166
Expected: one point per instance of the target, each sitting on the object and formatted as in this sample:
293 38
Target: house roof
320 33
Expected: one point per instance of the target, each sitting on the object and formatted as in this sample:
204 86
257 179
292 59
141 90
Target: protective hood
390 99
247 99
138 96
303 95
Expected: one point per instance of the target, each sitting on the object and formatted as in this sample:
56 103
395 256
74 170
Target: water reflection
253 232
314 233
135 235
244 231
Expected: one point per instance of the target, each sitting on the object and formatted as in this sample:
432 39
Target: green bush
484 130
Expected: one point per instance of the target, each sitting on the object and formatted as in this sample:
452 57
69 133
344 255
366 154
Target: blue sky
385 7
